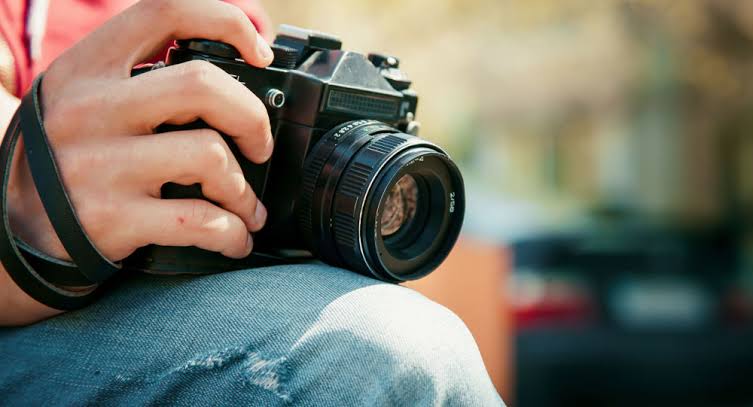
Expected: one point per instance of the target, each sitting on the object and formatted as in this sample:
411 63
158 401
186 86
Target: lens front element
399 205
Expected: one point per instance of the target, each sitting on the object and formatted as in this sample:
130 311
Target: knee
386 344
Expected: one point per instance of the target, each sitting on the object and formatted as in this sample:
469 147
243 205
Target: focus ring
386 145
352 192
353 186
313 167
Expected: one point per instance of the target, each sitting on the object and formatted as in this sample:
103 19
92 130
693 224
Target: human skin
101 123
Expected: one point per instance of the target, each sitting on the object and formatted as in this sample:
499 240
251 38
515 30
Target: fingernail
249 244
260 214
265 52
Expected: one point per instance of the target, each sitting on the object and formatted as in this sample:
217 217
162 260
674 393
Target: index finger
143 30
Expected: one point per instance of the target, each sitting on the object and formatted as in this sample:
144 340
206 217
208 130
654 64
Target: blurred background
607 254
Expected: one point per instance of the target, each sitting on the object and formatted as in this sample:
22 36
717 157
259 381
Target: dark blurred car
632 315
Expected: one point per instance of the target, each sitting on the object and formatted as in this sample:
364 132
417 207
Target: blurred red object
537 300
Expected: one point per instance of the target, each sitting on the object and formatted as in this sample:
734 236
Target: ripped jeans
285 335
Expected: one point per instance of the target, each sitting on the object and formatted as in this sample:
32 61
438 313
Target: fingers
184 92
90 100
195 156
259 16
219 21
190 222
208 19
153 23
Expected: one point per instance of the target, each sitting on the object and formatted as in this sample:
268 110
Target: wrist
28 219
17 308
25 211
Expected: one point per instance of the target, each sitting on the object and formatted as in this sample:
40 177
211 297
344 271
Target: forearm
16 307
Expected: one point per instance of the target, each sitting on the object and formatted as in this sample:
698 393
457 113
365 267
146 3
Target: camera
349 181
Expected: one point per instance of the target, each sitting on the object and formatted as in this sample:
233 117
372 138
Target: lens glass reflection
399 205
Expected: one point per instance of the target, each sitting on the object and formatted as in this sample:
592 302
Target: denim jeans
285 335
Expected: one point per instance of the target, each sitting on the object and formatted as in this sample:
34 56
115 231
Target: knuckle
230 194
201 75
231 187
238 188
215 154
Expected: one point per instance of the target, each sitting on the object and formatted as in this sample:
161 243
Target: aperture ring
352 192
320 155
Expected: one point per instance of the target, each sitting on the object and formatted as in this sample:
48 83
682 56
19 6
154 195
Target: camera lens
399 206
381 202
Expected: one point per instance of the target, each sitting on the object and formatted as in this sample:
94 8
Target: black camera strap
14 258
55 271
44 170
43 277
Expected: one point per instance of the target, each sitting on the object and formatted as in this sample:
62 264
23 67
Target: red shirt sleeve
67 22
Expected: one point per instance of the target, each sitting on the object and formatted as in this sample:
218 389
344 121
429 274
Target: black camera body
348 181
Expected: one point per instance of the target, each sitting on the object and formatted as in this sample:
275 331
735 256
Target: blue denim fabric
285 335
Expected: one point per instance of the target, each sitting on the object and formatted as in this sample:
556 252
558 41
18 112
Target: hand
101 123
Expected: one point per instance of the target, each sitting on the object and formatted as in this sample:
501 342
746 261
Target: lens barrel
357 179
